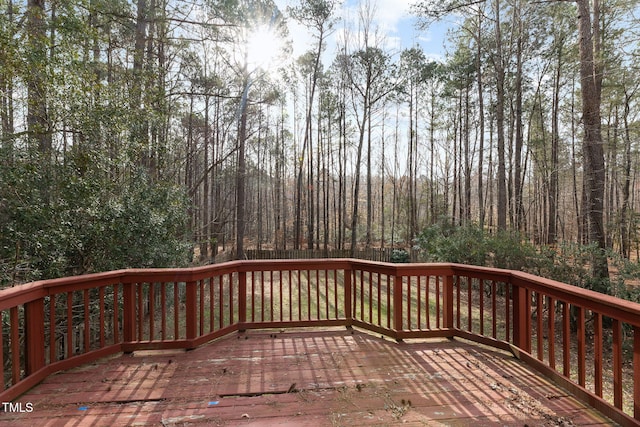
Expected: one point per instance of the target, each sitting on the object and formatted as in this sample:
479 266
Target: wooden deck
305 378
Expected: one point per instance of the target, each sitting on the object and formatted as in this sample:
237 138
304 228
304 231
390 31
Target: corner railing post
34 335
520 323
190 309
242 299
447 301
128 312
348 297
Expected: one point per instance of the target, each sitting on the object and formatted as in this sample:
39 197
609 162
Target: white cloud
391 12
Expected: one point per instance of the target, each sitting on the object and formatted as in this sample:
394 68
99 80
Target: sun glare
262 47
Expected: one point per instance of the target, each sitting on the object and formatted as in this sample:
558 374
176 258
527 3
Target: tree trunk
356 184
480 85
502 176
382 181
369 187
241 174
624 209
592 150
37 122
138 135
206 225
466 135
6 91
519 138
411 164
552 236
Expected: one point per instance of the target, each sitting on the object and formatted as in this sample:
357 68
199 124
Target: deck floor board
305 378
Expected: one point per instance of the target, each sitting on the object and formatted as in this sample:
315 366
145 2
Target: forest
156 133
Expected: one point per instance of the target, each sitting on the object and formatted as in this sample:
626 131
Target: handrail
58 324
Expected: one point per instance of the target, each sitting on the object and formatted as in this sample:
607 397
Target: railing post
520 323
34 335
242 299
348 296
191 308
397 302
128 312
447 301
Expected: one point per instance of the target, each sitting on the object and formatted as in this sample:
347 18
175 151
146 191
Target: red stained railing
53 325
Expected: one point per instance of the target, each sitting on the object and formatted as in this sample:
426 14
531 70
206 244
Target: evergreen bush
567 262
74 223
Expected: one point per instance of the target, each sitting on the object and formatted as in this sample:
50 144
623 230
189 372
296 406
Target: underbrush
565 262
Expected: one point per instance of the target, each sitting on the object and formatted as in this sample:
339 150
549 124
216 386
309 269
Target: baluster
617 363
597 353
397 303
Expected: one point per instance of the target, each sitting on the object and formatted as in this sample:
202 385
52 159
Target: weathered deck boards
305 378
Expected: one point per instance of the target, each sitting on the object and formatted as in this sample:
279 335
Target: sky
392 17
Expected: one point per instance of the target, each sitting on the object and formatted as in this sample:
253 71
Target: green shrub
445 243
511 251
74 223
399 256
567 262
471 245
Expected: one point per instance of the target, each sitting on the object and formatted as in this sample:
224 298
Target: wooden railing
581 339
